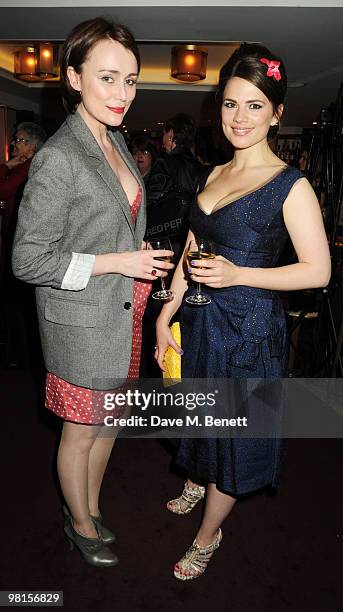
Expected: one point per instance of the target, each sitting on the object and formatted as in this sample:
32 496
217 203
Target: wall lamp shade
34 64
25 64
189 63
45 67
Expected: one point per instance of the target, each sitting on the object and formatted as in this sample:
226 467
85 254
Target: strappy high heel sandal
107 536
196 559
189 497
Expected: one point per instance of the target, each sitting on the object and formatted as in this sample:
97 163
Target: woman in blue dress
247 207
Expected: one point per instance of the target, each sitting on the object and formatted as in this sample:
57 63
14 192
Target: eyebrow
247 102
132 74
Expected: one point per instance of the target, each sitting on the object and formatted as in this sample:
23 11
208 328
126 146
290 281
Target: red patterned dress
81 405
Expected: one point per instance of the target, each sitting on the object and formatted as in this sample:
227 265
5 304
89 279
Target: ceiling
309 39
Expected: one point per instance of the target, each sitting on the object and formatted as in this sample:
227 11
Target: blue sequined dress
241 334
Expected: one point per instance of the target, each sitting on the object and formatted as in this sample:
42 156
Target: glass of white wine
199 249
158 244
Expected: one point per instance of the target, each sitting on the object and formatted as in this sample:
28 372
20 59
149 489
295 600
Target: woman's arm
37 257
304 223
178 286
42 219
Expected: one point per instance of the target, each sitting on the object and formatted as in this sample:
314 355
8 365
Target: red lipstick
116 109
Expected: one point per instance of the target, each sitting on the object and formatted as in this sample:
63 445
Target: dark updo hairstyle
245 63
78 45
184 130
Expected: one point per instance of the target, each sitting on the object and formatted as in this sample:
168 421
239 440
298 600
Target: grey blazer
73 202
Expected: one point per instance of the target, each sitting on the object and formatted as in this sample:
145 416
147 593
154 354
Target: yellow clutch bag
172 359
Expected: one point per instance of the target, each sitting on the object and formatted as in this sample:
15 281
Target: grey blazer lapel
89 143
120 145
114 185
83 134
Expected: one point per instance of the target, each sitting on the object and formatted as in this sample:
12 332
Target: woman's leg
72 466
98 460
218 507
194 563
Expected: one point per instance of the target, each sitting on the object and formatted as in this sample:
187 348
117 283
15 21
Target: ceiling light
25 64
45 67
188 63
34 64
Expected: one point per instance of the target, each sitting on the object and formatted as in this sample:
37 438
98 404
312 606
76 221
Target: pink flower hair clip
273 68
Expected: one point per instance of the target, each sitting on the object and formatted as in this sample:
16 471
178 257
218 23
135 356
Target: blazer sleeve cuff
78 272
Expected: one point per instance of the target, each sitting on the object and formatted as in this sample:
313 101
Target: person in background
144 154
170 189
21 333
175 169
79 239
27 140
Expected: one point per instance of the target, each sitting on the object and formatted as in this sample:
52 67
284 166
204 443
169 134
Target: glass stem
199 289
162 284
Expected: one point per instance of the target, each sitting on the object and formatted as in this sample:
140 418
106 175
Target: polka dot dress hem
81 405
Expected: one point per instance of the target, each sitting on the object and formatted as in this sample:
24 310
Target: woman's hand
164 339
136 264
144 263
217 273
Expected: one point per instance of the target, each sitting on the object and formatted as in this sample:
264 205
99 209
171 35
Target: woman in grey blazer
79 239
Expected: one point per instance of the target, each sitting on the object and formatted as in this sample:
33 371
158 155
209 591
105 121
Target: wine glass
199 249
157 244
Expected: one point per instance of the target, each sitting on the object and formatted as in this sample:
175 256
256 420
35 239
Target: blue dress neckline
244 195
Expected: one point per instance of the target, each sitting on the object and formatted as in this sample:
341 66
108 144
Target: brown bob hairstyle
78 45
245 63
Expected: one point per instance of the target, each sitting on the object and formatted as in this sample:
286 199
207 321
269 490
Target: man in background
170 190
